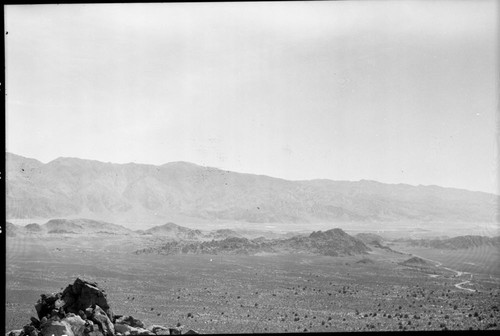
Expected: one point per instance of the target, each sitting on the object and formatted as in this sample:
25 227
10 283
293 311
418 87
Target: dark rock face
46 304
82 295
82 310
76 297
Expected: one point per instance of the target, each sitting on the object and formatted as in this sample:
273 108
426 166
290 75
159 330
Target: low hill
174 231
416 261
11 230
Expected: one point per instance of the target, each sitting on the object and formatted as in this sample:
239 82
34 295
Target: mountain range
187 193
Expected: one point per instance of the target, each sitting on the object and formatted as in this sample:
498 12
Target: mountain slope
184 192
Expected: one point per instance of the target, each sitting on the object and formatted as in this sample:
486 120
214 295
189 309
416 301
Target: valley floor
266 293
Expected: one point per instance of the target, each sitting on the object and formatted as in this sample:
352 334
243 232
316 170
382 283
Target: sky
397 92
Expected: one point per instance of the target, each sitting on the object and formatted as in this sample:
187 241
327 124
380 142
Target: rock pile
83 310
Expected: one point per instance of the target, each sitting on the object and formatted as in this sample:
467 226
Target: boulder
122 328
159 330
45 304
130 321
100 317
162 332
84 294
191 332
89 312
57 328
89 326
14 332
28 329
76 323
35 322
125 329
141 331
78 296
94 333
175 331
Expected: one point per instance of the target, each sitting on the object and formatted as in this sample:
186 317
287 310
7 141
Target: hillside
333 242
456 243
185 192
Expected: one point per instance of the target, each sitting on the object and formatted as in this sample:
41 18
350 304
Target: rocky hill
174 231
82 309
185 192
11 230
333 242
457 243
416 262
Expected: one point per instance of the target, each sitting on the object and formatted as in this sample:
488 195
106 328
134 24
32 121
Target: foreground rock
82 309
79 296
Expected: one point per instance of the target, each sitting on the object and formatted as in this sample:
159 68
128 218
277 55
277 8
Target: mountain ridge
187 163
186 193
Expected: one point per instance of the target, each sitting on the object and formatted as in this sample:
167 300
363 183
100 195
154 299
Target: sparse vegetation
246 293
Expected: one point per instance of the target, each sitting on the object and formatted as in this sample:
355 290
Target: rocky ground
262 293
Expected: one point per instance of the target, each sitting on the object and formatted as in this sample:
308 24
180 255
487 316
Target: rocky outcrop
76 297
333 242
82 309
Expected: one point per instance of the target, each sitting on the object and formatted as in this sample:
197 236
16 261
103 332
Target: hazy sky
398 92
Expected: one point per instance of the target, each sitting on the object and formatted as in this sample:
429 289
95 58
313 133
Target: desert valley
246 253
251 167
